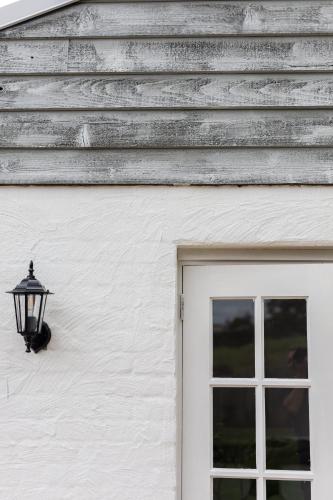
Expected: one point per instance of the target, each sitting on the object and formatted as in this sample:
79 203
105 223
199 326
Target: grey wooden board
171 91
163 129
196 55
211 167
180 19
40 56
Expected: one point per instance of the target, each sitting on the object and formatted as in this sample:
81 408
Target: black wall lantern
30 301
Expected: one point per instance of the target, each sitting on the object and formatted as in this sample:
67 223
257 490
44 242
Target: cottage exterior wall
94 417
120 95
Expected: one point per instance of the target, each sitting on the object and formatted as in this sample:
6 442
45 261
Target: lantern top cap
30 284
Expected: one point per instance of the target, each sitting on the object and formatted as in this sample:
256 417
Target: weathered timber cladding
219 91
198 92
204 18
165 55
161 129
174 166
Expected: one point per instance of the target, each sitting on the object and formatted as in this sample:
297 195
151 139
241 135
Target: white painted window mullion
260 409
286 383
235 473
234 382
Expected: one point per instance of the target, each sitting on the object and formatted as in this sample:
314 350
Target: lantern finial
31 270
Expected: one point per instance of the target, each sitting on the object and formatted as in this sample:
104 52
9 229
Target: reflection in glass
234 427
287 429
285 338
233 338
234 489
288 490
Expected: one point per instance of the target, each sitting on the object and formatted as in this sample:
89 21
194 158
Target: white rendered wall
94 417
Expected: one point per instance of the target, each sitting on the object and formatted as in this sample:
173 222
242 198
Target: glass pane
288 490
234 489
22 310
17 313
234 437
33 304
233 338
287 429
285 338
43 299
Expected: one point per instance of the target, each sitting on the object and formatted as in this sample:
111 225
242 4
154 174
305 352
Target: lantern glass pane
34 305
42 311
22 311
19 312
33 308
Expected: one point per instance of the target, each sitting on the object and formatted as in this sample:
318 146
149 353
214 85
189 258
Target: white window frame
208 256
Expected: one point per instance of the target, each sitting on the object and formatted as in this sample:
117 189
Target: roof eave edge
22 10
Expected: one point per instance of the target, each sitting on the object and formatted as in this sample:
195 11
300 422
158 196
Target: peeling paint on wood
170 167
180 19
170 91
33 56
192 55
130 92
162 129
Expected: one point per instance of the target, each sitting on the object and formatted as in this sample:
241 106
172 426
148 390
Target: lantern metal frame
36 333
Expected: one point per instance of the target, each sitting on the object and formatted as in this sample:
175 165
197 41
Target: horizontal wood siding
192 92
204 91
165 55
161 129
170 167
214 18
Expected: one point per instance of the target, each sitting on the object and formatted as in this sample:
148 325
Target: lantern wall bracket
39 341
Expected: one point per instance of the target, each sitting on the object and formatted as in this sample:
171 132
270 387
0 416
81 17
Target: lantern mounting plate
41 340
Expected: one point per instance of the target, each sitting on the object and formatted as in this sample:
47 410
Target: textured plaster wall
94 417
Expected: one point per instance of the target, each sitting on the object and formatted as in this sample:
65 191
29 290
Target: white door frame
196 256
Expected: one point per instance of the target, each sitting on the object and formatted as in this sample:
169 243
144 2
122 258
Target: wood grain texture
193 55
139 93
229 166
168 92
33 56
192 18
162 129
